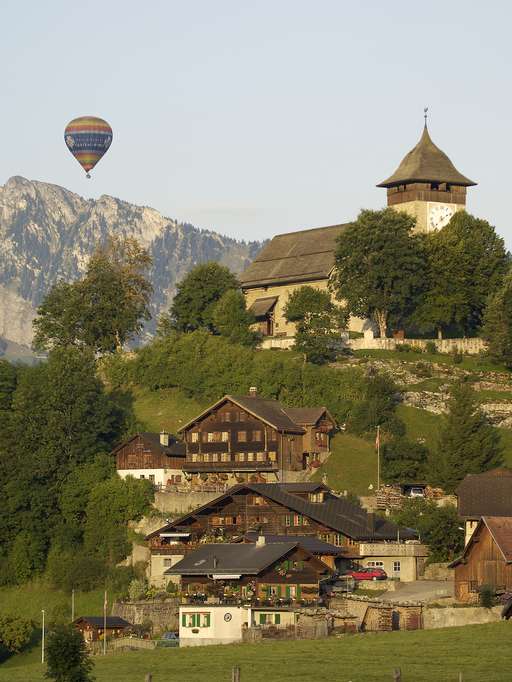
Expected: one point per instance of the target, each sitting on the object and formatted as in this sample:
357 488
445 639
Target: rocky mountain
48 233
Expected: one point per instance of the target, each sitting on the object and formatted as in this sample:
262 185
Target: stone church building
426 185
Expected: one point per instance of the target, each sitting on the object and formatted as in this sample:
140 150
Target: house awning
174 535
225 576
262 306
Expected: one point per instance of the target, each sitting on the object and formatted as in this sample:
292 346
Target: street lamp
42 640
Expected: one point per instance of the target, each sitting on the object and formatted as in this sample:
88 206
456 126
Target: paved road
421 590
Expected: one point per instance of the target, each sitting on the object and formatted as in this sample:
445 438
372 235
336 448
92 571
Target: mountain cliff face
48 233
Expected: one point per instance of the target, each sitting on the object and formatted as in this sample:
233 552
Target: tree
438 527
105 309
467 443
376 408
319 323
67 656
15 632
497 325
467 261
403 460
380 267
232 319
112 504
197 294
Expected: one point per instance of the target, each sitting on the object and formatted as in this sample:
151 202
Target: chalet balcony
219 467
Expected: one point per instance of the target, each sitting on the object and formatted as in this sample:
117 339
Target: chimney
260 542
164 438
253 391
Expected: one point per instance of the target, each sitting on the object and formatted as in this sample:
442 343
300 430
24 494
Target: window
240 457
269 619
210 437
288 520
224 436
242 437
195 620
260 457
215 456
272 456
142 476
337 539
225 457
132 459
316 497
167 563
152 478
195 457
225 417
241 416
378 564
256 435
206 457
250 456
396 566
194 437
205 436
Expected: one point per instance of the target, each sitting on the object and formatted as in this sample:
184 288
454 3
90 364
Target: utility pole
42 640
105 625
377 443
72 605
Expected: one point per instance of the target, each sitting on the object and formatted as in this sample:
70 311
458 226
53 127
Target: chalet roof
307 416
426 163
176 448
262 306
337 513
239 559
269 411
500 528
487 494
300 256
309 542
98 621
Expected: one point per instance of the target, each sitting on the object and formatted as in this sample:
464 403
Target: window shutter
298 591
206 620
279 590
262 619
277 619
288 592
183 620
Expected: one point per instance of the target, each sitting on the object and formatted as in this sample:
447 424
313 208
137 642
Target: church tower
427 185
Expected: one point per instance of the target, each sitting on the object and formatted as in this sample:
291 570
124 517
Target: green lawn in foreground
480 652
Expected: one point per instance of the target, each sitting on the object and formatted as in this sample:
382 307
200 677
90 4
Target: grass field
27 601
164 409
423 656
352 465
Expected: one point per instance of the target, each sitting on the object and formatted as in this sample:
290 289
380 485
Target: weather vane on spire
425 115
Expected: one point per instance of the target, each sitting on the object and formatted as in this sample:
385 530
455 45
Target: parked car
169 639
417 492
370 573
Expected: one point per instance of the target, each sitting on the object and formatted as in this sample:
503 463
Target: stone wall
439 571
179 503
471 346
162 614
452 616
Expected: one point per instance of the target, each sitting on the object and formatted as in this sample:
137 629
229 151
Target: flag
377 439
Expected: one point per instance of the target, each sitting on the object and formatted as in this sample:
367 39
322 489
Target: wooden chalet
487 559
487 494
156 457
249 438
288 509
279 571
93 627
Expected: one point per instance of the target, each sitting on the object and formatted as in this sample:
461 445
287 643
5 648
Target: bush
67 656
15 633
486 596
431 347
457 358
403 347
137 589
417 349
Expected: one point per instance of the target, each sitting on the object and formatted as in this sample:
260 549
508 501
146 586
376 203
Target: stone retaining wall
451 616
468 346
162 614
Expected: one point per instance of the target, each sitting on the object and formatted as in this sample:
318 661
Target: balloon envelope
88 138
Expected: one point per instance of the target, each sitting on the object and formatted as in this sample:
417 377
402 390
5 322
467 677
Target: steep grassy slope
423 656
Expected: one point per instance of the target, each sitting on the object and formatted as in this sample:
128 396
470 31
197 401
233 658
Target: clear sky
254 118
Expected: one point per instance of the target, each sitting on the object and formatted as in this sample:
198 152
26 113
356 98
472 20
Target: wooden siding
140 453
484 565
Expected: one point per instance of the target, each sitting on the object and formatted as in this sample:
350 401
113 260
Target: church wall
283 291
420 210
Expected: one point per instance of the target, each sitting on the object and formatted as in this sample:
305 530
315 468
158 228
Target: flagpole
378 458
105 625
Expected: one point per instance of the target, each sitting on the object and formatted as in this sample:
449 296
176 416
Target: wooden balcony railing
214 467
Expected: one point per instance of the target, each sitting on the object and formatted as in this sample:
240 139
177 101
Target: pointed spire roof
426 163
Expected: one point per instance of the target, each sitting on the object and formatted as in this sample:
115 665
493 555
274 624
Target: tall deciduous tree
497 326
467 444
380 266
198 292
103 310
232 320
319 323
467 261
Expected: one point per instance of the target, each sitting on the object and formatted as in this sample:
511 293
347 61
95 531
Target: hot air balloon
88 138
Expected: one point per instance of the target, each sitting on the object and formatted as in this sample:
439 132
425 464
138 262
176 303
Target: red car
369 573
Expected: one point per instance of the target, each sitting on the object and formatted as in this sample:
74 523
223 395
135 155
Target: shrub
403 347
423 369
15 633
417 349
431 347
137 589
457 358
67 656
486 596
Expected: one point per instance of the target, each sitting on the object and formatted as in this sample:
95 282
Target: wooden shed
487 559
